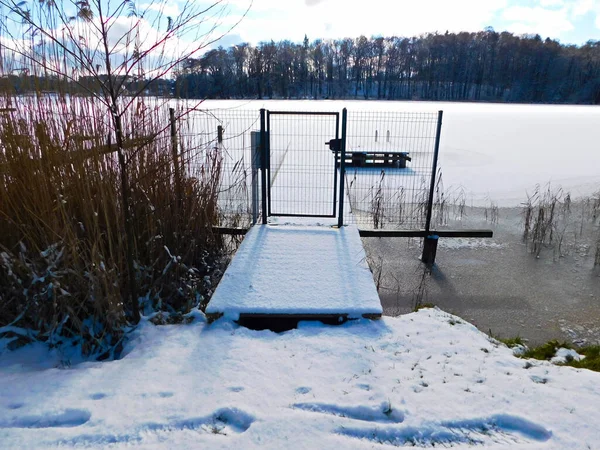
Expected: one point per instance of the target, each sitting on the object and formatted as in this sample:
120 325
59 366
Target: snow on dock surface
427 379
297 270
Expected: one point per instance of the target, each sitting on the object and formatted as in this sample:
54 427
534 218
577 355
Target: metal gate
302 177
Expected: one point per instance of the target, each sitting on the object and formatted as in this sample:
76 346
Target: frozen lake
493 152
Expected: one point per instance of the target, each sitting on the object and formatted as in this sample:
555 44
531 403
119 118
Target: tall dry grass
62 237
545 214
553 220
596 220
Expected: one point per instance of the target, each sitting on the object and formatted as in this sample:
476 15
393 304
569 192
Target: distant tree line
24 83
482 66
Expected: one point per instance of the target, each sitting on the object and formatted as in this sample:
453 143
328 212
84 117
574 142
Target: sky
253 21
568 21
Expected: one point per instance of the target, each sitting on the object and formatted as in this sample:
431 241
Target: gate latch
335 145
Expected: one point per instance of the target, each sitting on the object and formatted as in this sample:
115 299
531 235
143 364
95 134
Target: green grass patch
545 351
591 360
423 306
512 342
509 342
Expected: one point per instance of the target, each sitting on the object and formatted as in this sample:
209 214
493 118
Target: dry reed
62 238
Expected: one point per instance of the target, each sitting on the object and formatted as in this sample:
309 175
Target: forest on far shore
482 66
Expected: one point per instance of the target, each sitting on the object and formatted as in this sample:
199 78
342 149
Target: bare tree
113 52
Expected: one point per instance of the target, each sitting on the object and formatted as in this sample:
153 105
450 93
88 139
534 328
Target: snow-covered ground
424 379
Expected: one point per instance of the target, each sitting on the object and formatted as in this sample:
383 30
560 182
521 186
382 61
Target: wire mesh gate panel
381 193
218 143
302 178
304 175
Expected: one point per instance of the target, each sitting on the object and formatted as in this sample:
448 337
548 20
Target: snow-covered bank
424 379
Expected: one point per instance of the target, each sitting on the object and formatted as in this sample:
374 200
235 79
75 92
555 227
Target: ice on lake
493 152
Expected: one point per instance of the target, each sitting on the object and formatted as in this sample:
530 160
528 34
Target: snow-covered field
425 379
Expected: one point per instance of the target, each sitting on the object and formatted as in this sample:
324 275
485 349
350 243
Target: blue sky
569 21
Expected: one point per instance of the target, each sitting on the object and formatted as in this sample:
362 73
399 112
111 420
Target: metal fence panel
200 139
382 194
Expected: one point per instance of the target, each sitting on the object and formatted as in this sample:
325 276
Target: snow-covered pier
297 272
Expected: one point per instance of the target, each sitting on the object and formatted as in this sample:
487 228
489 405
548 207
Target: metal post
263 164
433 172
255 155
430 242
335 159
342 168
429 249
176 163
268 159
173 127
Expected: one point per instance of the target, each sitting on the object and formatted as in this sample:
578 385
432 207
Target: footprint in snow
98 396
303 390
224 421
66 419
539 380
382 413
499 428
162 394
236 388
15 405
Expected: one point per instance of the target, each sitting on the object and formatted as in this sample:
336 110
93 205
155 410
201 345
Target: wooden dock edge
326 318
235 231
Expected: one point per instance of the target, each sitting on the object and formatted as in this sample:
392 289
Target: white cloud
292 19
583 7
538 20
167 10
551 3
